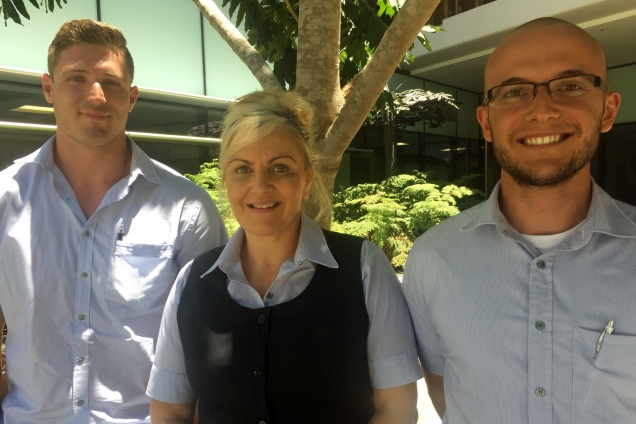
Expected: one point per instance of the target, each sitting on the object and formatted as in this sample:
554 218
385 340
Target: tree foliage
393 213
272 28
13 9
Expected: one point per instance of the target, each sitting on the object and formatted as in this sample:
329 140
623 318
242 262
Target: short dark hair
88 31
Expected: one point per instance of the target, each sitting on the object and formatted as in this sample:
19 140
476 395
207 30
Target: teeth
269 205
538 141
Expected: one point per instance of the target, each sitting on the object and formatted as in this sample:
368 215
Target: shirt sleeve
429 345
168 380
202 227
391 344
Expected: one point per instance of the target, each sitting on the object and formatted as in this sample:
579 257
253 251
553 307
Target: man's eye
280 168
515 92
570 87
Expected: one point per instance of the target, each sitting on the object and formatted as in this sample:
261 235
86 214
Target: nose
542 107
96 94
261 183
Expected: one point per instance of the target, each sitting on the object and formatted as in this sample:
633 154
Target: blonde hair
88 31
258 114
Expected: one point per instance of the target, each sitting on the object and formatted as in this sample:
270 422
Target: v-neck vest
301 361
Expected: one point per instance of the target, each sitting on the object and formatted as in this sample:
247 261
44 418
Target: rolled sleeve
168 380
391 346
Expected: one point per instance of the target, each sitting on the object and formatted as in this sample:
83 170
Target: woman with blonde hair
287 323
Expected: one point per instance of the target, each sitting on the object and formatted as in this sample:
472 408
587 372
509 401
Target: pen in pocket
609 328
120 233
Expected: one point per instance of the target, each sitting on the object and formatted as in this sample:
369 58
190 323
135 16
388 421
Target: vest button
257 372
261 319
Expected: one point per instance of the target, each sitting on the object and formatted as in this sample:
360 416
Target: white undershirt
547 242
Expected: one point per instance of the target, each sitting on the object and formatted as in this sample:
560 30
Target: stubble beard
527 176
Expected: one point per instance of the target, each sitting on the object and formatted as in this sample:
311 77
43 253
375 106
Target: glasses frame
598 82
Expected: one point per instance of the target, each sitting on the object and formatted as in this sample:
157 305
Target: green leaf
51 5
19 5
10 10
35 3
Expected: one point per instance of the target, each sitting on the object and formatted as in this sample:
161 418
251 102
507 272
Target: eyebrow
274 159
567 73
83 71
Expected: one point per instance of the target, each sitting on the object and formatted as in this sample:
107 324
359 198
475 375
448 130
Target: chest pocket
604 389
139 271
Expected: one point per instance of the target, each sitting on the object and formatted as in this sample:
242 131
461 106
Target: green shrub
391 214
209 178
395 212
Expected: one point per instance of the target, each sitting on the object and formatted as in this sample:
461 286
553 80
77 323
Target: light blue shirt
392 353
514 331
82 302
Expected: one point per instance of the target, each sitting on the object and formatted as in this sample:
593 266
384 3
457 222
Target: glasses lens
514 95
572 88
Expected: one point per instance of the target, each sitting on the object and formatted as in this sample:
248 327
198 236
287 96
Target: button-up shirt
514 330
83 297
391 349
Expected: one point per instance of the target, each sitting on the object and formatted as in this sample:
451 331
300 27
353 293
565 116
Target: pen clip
120 233
609 329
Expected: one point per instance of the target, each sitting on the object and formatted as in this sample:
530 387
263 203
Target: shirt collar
604 215
140 163
311 246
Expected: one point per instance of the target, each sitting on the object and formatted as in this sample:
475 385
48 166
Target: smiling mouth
541 141
267 206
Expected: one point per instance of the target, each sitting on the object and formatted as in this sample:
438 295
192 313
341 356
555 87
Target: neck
92 170
262 256
546 210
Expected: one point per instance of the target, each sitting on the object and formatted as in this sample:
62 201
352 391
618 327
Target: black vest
299 362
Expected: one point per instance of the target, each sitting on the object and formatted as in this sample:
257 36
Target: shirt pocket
137 274
604 389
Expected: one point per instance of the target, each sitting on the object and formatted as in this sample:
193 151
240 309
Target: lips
95 116
543 140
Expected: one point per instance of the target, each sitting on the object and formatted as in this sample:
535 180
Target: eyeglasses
561 90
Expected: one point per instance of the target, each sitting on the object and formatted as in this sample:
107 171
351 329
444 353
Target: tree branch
373 78
318 64
241 47
291 10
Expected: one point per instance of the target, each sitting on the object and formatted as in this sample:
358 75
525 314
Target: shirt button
270 295
80 402
84 274
539 325
80 360
87 233
261 319
81 317
257 372
540 264
540 392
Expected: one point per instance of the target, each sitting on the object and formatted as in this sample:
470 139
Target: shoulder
15 177
172 180
448 230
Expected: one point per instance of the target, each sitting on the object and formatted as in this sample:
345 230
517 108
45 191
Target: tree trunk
317 70
389 144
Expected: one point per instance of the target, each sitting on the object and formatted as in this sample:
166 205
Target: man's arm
396 405
435 387
171 413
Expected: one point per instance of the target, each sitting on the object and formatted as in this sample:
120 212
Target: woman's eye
280 168
242 169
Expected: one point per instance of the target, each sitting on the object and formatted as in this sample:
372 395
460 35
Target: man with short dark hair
92 236
524 305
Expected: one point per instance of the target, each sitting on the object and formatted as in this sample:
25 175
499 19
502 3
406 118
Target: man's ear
134 94
47 87
612 102
482 117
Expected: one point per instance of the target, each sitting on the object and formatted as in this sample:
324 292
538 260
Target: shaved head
540 36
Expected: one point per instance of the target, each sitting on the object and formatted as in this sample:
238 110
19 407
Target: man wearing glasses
525 306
